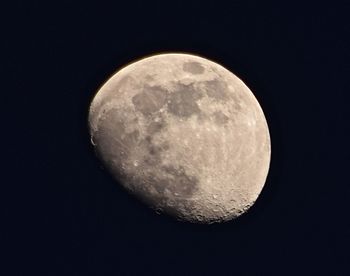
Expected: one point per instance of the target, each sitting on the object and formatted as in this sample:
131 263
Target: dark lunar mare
174 187
217 90
183 101
193 67
150 100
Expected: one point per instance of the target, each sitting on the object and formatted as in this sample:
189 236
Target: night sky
62 214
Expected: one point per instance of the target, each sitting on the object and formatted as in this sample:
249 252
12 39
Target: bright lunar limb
184 135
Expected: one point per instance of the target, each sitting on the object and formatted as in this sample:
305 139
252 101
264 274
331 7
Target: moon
184 135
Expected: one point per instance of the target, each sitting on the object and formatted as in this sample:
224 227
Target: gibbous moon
184 135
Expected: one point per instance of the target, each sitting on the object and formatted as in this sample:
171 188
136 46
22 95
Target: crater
154 150
150 100
216 89
237 103
177 181
182 102
193 67
155 126
220 118
153 156
149 78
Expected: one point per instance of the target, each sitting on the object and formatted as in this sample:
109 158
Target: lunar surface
184 135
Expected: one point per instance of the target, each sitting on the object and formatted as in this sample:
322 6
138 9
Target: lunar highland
184 135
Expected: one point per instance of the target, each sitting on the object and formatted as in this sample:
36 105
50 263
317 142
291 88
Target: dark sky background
61 214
